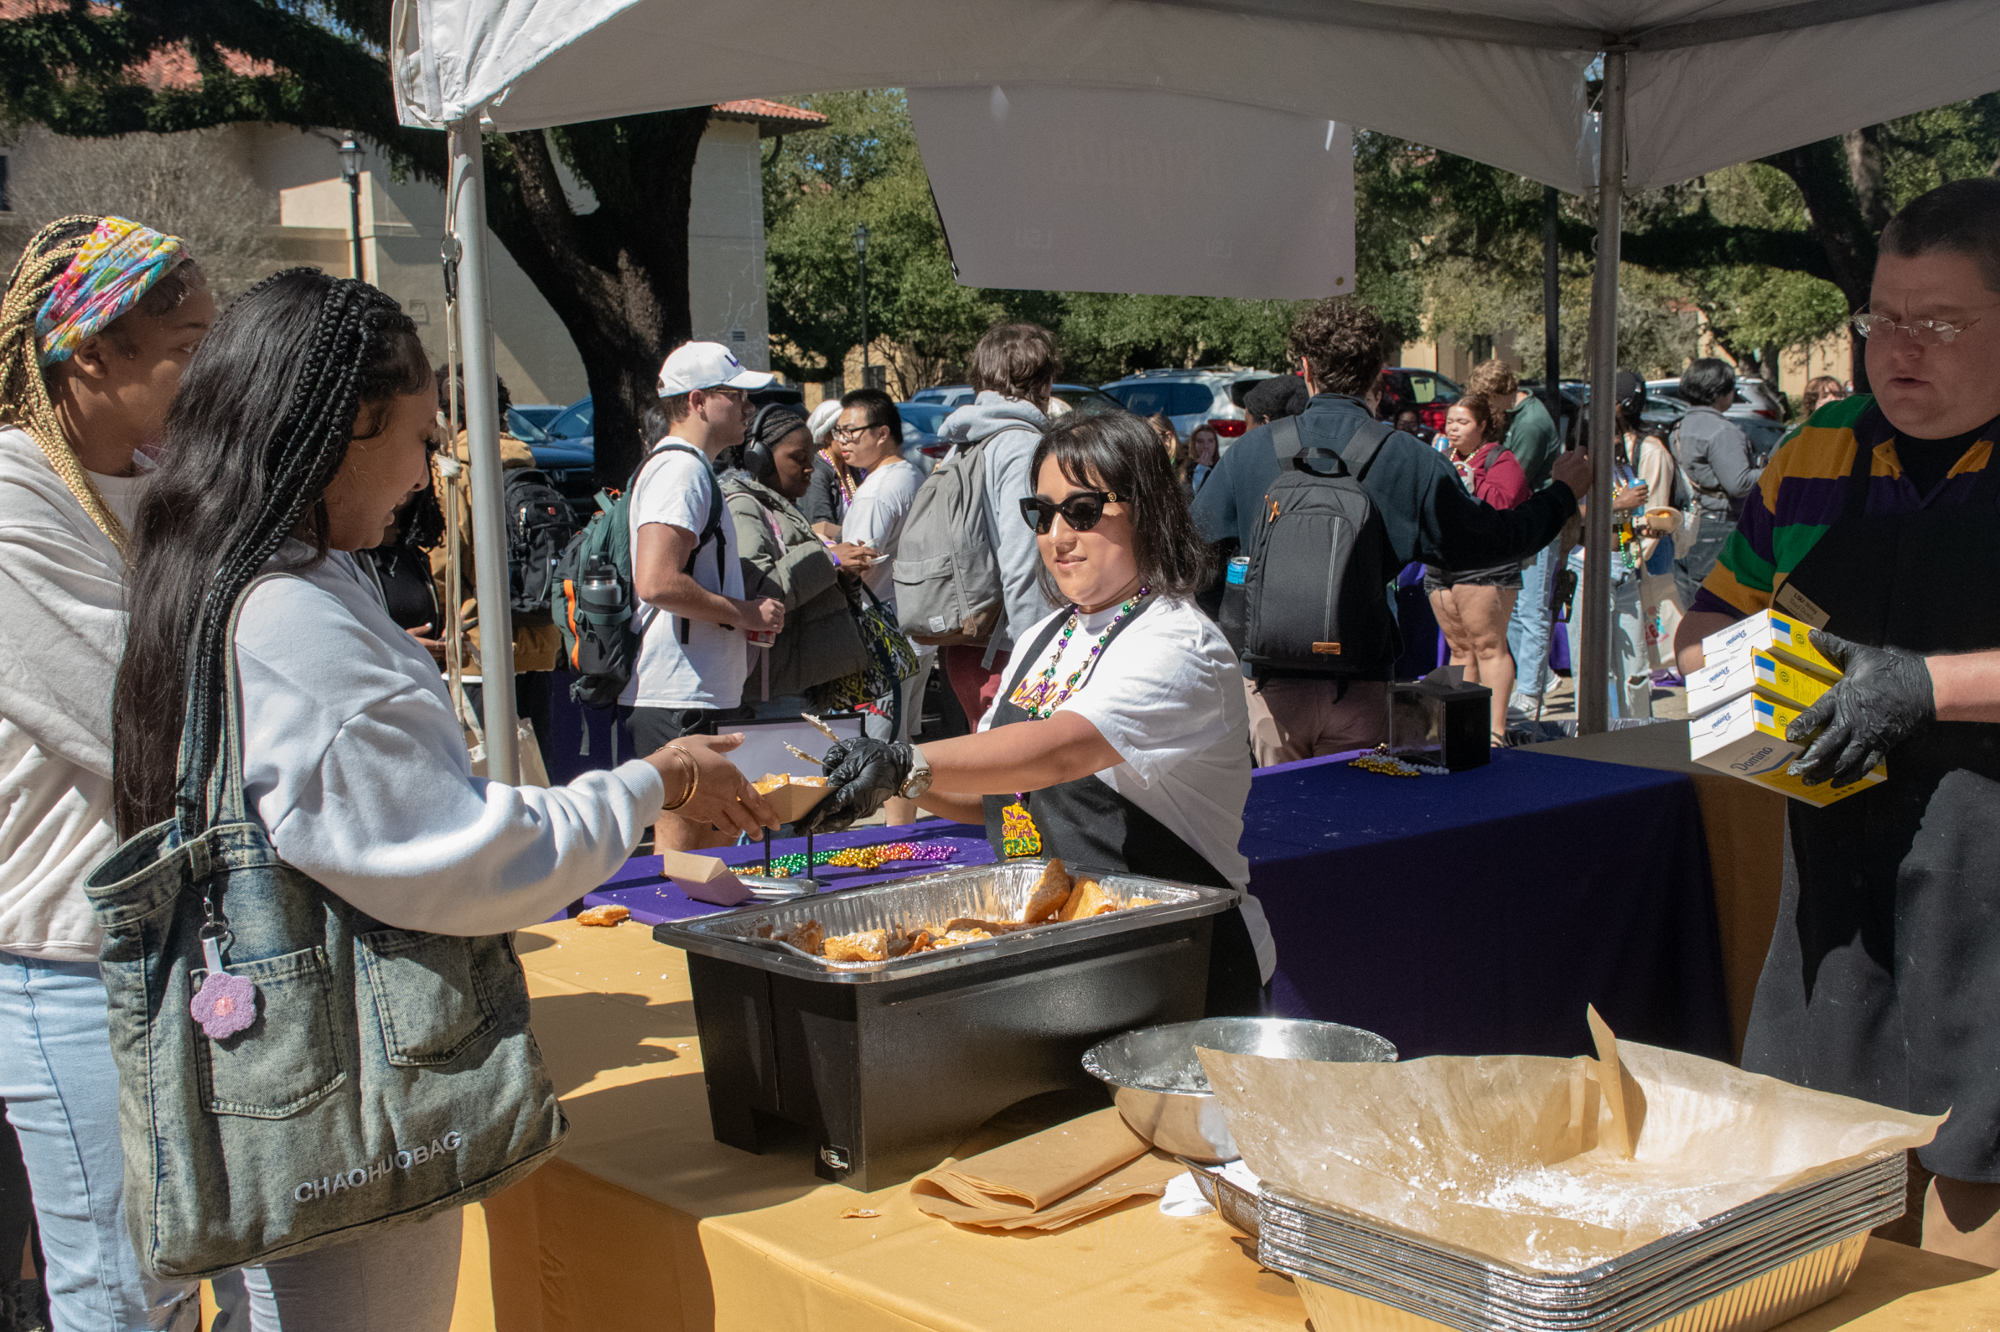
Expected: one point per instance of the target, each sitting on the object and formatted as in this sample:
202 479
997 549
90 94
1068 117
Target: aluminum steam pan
986 892
1666 1294
1318 1241
1670 1274
1877 1175
1751 1306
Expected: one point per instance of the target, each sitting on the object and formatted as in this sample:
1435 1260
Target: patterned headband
118 264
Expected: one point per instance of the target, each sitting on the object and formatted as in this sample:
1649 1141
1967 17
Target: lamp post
350 171
861 255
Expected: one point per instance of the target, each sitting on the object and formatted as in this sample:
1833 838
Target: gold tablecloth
647 1223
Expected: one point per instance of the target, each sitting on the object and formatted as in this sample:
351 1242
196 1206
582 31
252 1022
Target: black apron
1883 979
1091 826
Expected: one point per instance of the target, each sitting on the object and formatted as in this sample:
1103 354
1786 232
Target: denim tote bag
379 1075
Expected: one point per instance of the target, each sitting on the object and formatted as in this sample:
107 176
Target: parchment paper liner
1425 1144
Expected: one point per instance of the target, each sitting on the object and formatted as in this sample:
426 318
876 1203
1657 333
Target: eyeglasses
1923 332
1081 510
848 434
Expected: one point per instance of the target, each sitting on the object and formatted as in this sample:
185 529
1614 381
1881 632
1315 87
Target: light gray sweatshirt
62 597
1011 429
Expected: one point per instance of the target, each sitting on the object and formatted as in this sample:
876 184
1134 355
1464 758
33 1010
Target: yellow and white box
1746 739
1776 633
1782 682
1727 677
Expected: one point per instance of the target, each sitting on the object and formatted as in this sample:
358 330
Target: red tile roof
172 68
770 117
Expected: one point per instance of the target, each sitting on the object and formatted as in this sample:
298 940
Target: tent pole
1551 309
467 209
1594 672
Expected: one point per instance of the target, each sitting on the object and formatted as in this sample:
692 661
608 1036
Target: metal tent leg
465 205
1593 673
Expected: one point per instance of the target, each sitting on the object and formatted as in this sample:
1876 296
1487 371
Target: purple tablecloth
1471 914
651 899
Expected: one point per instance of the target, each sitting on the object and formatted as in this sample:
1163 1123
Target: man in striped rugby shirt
1879 522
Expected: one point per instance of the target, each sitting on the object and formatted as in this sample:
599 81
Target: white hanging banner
1054 188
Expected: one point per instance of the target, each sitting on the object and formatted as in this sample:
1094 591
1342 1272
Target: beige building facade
402 231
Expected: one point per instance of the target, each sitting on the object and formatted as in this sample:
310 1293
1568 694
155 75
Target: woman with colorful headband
98 321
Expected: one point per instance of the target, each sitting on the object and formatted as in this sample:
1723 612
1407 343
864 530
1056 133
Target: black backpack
1316 600
539 526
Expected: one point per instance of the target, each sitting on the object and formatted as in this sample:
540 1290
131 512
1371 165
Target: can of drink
762 638
1239 570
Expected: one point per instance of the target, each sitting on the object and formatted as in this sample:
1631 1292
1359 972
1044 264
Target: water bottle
1234 614
601 616
1624 528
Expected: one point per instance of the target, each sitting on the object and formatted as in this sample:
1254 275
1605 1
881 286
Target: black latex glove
860 775
1884 697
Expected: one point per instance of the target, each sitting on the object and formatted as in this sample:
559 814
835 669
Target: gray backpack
947 580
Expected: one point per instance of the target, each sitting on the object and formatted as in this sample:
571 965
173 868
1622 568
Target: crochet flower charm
225 1004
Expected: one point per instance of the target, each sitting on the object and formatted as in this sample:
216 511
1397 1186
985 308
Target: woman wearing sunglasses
1119 740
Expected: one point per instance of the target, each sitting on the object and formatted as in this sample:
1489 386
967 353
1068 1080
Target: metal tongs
796 752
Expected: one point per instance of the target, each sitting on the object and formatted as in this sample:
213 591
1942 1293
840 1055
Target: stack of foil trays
1742 1270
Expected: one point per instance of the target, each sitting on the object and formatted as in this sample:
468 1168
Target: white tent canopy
1712 82
1114 189
1690 86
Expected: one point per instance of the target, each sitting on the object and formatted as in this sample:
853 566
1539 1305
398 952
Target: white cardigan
356 764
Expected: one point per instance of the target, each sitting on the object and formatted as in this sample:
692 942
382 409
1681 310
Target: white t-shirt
62 598
355 763
708 670
1167 694
875 518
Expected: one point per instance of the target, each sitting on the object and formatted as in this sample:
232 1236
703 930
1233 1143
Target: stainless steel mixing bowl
1158 1085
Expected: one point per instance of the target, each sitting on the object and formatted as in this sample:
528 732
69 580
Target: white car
1208 396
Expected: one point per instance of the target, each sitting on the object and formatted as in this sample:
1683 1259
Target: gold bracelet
693 776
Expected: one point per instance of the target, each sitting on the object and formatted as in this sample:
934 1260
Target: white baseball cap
706 365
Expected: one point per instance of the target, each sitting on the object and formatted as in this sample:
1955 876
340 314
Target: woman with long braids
308 418
100 317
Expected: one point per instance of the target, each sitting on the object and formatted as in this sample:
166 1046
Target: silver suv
1205 396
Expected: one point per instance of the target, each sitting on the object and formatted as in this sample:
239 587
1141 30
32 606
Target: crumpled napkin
1048 1180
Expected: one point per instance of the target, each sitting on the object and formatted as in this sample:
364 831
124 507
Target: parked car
921 423
1426 390
1207 396
536 414
1759 409
1077 397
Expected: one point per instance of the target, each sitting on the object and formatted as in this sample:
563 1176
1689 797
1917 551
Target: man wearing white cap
691 617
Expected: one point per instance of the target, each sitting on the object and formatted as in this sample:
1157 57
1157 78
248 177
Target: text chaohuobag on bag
292 1072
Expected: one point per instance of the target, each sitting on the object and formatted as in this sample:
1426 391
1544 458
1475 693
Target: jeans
401 1277
1692 569
61 1090
1529 629
1631 672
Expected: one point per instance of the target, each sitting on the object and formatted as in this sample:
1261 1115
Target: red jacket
1493 476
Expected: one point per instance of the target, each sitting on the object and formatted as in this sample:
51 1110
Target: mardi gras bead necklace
865 857
1395 767
1041 697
